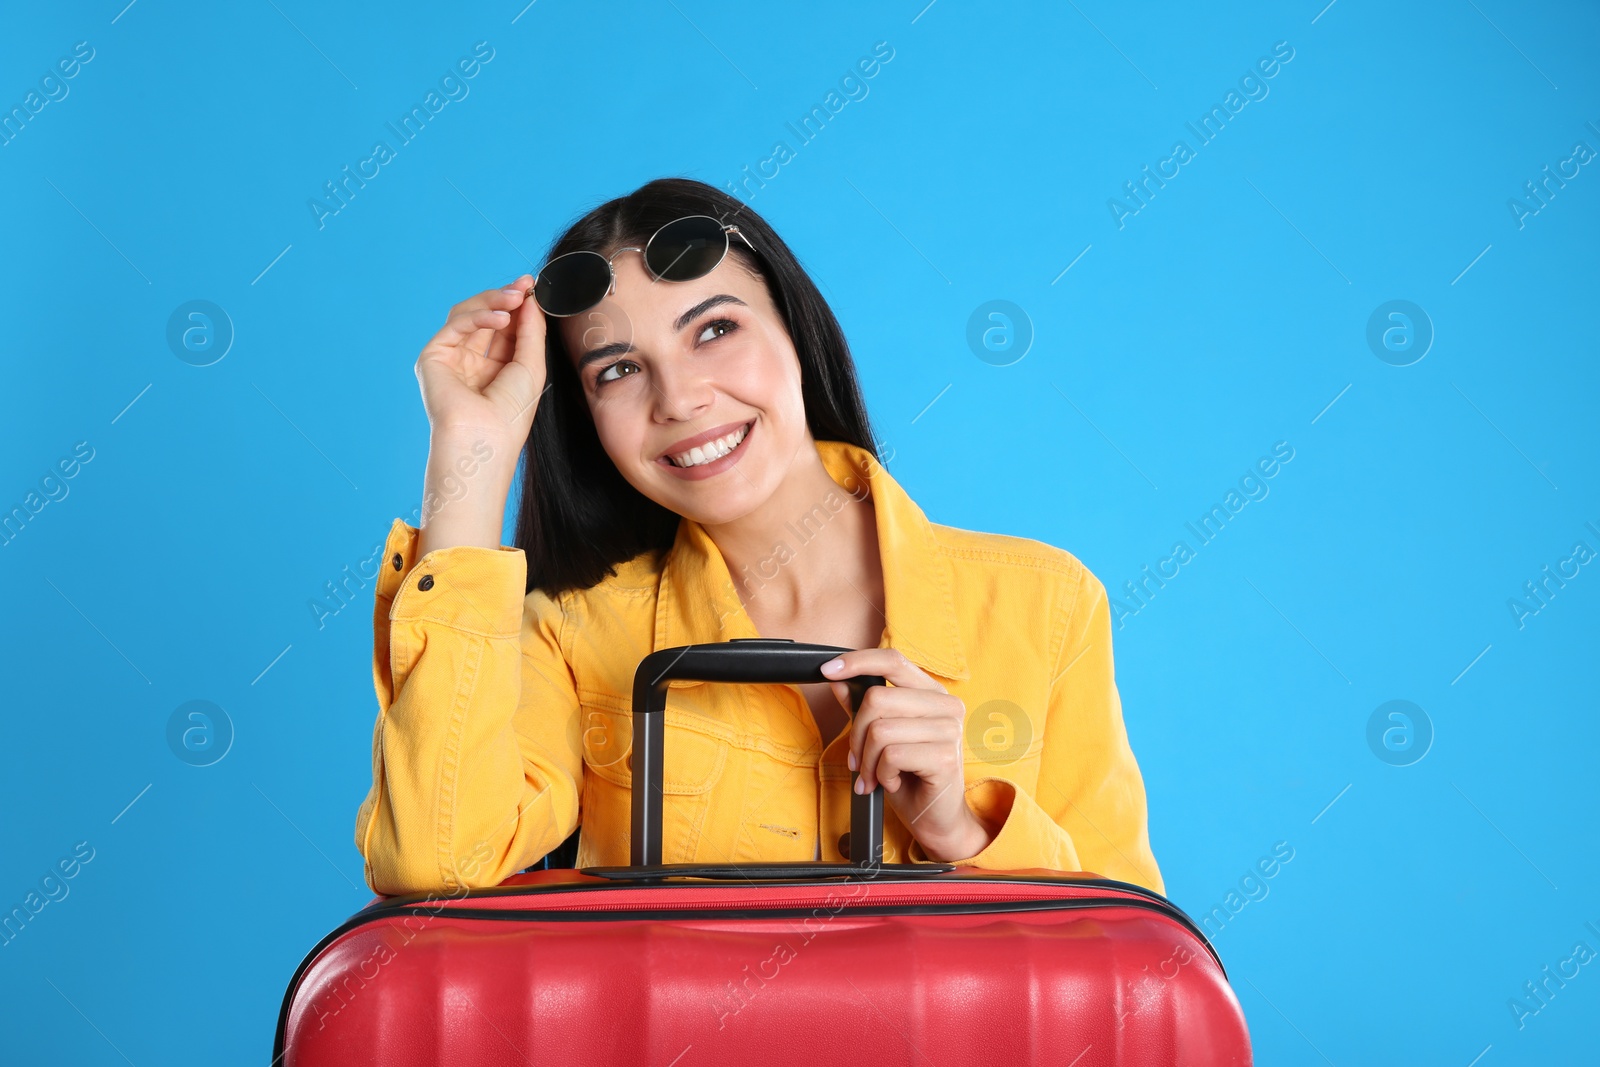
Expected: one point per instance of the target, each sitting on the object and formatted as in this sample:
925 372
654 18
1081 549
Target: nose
682 392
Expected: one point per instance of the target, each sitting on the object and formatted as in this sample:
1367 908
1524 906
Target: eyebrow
617 348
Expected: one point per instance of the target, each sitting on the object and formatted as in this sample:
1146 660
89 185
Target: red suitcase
678 965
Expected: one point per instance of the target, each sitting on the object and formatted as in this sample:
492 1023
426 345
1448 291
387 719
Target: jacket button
844 844
426 582
396 561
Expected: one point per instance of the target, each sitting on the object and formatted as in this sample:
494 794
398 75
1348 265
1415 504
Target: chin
727 506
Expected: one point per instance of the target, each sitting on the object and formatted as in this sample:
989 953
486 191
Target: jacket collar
698 604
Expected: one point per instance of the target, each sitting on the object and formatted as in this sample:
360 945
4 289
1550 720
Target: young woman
699 468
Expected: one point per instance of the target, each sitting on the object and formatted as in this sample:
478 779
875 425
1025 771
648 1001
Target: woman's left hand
907 735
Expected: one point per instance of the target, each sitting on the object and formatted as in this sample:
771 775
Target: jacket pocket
694 761
694 764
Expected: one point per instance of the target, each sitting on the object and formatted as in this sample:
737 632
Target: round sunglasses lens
687 248
572 283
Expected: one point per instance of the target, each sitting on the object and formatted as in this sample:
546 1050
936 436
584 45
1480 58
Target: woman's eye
710 332
602 377
721 326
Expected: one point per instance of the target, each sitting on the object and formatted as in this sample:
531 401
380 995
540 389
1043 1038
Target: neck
812 542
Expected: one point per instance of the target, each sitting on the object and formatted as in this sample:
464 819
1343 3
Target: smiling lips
706 452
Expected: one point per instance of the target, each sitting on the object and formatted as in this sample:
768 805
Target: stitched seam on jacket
992 555
951 627
450 763
797 755
455 627
702 802
382 632
398 660
379 785
564 605
790 754
1068 617
638 592
566 611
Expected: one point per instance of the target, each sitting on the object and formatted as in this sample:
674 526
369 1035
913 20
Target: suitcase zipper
903 906
580 906
698 904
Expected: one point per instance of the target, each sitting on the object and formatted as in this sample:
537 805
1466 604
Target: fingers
530 336
463 324
889 663
911 693
519 391
492 310
930 761
900 715
927 748
515 301
503 297
882 703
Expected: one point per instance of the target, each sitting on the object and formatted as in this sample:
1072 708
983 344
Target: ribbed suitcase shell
965 967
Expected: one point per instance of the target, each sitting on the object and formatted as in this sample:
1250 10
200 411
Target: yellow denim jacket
505 719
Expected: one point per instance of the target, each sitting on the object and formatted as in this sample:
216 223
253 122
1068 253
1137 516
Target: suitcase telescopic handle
743 659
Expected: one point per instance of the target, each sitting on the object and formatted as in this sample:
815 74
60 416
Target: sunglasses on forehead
682 250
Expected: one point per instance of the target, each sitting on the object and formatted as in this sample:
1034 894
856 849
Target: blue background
1228 314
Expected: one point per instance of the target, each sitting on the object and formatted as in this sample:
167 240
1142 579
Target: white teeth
713 451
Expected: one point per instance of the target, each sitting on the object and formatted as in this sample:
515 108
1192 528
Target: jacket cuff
464 587
1026 833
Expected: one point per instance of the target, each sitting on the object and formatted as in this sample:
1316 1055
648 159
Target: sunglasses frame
611 286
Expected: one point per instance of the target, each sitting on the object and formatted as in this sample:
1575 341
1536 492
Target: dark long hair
578 517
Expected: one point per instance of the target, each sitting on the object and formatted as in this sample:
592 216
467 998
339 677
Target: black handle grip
744 659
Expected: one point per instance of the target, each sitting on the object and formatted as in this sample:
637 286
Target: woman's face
664 363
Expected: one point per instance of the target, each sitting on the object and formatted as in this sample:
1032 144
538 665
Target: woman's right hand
482 375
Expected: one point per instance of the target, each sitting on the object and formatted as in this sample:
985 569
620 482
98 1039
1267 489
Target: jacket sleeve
476 758
1086 811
